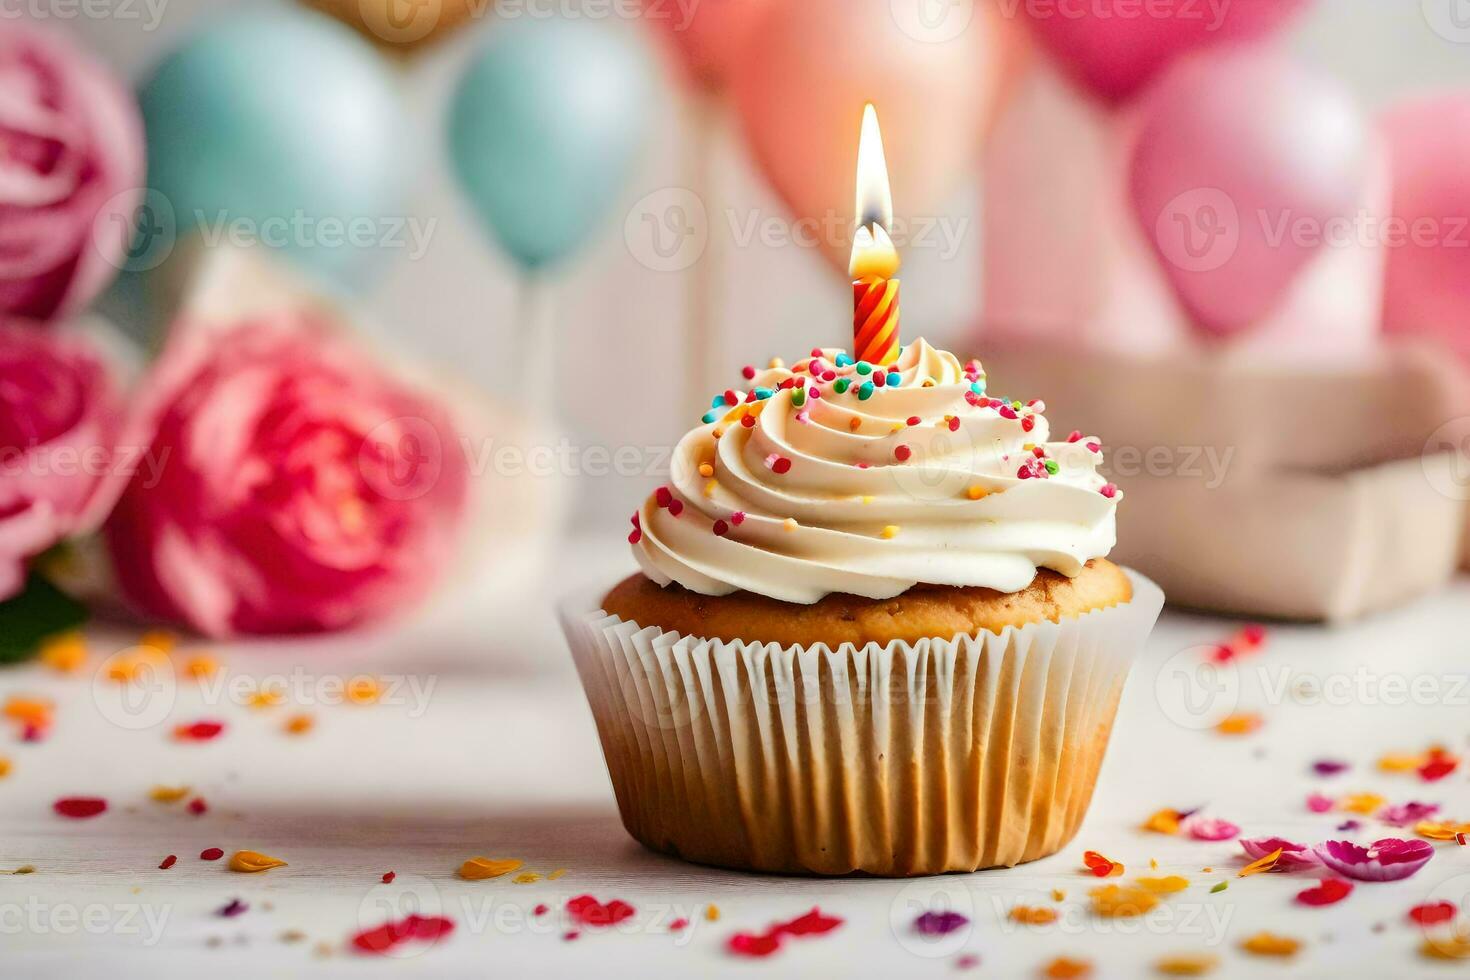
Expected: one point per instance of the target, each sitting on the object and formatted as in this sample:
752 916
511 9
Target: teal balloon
283 128
545 126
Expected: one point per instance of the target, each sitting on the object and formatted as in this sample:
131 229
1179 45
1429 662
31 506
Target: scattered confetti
389 876
1219 887
168 862
1290 857
1364 803
1404 814
1164 886
526 878
813 923
1270 944
233 908
198 807
1241 723
65 652
201 666
1032 915
1188 965
366 690
1163 822
1441 831
1211 829
1100 866
423 928
1433 913
168 794
299 724
1329 767
940 923
1122 901
711 913
1317 803
1065 968
588 911
5 766
199 731
1262 864
211 854
481 868
80 807
1329 892
1451 947
250 862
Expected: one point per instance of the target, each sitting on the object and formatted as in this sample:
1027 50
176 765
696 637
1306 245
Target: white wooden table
487 759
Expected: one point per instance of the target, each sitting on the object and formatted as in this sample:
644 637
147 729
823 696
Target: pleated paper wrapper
942 755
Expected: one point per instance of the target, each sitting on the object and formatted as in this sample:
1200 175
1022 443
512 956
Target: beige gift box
1264 490
908 759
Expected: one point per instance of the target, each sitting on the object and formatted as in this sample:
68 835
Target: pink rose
71 174
61 468
303 488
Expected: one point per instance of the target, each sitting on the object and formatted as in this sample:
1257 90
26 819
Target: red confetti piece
540 910
80 807
676 507
902 453
570 935
425 928
199 731
1329 892
813 923
678 924
211 854
590 912
1097 864
747 372
198 807
168 862
389 876
1433 913
234 908
1437 768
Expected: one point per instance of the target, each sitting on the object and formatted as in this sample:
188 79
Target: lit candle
874 259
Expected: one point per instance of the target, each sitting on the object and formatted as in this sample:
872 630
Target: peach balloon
800 86
1428 282
706 37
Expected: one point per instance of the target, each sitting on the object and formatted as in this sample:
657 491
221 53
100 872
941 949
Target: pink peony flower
61 463
1389 859
71 173
1294 857
304 489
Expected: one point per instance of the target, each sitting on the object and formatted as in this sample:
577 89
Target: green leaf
40 611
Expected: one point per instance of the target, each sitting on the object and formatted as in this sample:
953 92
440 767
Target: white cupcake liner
942 755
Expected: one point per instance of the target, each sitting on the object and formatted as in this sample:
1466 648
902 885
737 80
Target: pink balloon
1115 48
1246 165
800 86
706 36
1428 286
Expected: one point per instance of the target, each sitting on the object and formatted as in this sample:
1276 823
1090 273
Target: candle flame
873 253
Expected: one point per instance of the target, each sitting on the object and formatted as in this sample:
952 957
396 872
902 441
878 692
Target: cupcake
875 629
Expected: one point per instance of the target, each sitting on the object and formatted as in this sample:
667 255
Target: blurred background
1228 237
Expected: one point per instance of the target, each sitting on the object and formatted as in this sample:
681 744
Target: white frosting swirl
840 484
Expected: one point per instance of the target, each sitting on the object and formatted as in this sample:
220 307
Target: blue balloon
545 126
282 128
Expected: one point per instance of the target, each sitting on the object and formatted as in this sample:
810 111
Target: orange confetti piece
1455 946
1364 803
1058 895
161 640
526 878
1163 822
1032 915
1401 762
556 874
1440 831
1164 886
168 794
712 913
1187 966
363 690
250 862
299 724
1240 723
201 666
1122 901
30 711
1261 865
1269 944
5 767
482 868
265 698
65 652
1065 968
